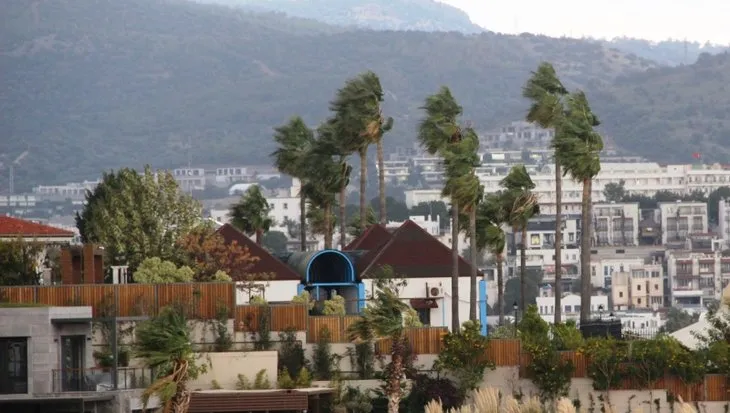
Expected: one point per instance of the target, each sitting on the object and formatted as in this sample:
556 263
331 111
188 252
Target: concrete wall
44 339
224 368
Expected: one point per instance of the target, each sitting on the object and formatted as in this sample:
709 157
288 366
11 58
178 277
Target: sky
695 20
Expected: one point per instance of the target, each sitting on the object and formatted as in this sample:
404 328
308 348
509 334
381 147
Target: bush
322 357
291 353
426 389
464 356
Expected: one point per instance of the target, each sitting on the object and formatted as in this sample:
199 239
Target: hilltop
422 15
97 84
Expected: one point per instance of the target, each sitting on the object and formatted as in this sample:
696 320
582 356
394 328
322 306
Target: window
638 287
620 294
286 206
13 365
571 237
638 301
656 287
567 308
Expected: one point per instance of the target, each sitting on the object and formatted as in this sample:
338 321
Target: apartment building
190 179
571 307
723 221
640 287
696 278
678 220
616 224
231 174
73 190
540 247
519 134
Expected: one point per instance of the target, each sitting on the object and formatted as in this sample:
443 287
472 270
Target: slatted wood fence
204 300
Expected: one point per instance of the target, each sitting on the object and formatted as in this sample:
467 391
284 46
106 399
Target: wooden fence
203 300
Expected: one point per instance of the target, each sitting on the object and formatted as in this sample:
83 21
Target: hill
667 52
422 15
90 85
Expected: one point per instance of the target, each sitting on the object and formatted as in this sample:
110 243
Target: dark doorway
13 365
72 363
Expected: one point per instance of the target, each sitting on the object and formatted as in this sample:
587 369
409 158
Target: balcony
100 379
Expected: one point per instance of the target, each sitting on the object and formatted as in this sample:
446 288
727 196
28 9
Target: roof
413 253
267 263
16 227
374 237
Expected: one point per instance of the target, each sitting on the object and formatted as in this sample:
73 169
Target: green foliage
137 216
678 319
155 271
411 318
606 356
550 374
262 336
304 298
291 354
566 336
223 338
304 379
322 356
261 382
334 306
275 241
243 383
18 262
362 357
285 381
214 385
354 229
464 357
251 213
648 360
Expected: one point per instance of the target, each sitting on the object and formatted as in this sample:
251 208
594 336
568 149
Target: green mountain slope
422 15
95 84
668 52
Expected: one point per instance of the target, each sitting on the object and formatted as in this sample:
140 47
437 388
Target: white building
231 174
679 220
616 224
571 307
723 220
697 278
540 247
519 134
70 190
432 226
190 179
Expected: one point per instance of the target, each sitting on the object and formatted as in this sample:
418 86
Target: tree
383 319
164 343
615 192
251 213
464 357
578 146
275 241
206 252
513 289
19 262
330 143
546 93
520 205
678 319
354 229
156 271
294 139
137 216
438 132
491 215
359 120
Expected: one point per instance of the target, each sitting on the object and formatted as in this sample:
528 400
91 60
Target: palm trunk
303 222
328 226
381 183
500 289
343 223
585 253
180 401
455 325
394 392
474 270
363 187
259 236
523 268
558 241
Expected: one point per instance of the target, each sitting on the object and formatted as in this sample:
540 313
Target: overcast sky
698 20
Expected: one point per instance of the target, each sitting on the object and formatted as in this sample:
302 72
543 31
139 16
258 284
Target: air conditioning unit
431 291
119 274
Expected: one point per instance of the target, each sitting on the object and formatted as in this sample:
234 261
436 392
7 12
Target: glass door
13 365
72 362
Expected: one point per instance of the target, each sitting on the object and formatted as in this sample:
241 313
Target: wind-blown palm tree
295 140
360 122
460 163
521 204
164 344
490 235
330 142
383 319
251 213
578 146
546 93
438 133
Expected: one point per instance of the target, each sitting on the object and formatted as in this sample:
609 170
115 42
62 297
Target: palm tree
460 163
360 123
330 143
490 235
164 344
546 93
578 146
251 213
295 139
383 319
521 205
438 133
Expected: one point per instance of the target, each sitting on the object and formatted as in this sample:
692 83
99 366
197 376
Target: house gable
267 263
413 253
373 238
14 227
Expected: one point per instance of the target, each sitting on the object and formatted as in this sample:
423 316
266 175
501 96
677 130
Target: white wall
275 291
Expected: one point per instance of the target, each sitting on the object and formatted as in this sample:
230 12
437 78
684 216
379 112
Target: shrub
464 356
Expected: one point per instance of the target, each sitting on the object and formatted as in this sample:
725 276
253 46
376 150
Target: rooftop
16 227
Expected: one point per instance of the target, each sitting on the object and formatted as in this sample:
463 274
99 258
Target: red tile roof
16 227
374 237
267 263
413 253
